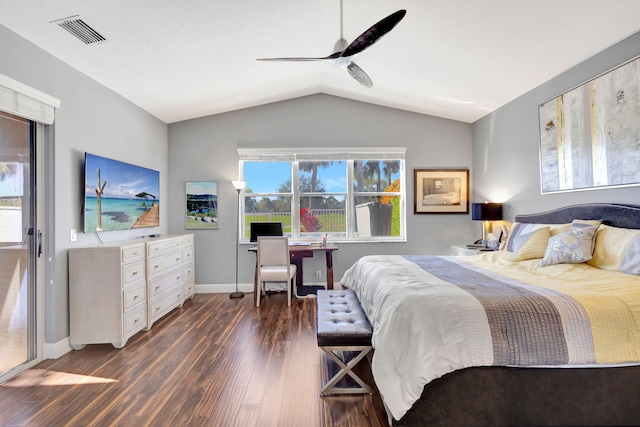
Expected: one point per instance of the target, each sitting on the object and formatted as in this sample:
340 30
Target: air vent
80 29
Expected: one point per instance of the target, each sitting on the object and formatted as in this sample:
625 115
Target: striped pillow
520 228
531 245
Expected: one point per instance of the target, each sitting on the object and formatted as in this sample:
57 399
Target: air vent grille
80 30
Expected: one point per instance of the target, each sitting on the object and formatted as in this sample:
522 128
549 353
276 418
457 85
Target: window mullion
350 202
295 202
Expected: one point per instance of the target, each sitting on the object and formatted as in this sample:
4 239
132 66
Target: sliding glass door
19 240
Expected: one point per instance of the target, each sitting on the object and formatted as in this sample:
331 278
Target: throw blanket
434 315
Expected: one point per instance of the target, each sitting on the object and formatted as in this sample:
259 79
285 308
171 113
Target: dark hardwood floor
213 362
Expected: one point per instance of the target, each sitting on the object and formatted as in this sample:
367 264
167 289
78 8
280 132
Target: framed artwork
589 135
441 191
202 205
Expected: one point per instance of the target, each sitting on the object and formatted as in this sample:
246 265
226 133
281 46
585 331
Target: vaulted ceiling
458 59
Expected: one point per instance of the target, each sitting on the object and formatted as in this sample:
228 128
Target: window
354 196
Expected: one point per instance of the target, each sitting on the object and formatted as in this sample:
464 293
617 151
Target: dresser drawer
187 254
165 304
132 272
158 265
132 253
188 272
164 283
160 247
134 322
134 296
189 289
187 241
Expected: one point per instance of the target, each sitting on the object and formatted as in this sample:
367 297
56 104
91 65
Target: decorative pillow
520 228
617 249
585 222
571 247
531 245
578 223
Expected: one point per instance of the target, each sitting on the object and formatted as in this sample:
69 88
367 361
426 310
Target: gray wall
206 149
506 143
91 118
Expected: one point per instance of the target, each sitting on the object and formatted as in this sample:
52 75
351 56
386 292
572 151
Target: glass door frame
36 294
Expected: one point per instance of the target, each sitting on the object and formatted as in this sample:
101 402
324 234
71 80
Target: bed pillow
617 249
531 245
520 228
571 247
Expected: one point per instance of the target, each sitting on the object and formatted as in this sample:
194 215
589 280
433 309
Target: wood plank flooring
213 362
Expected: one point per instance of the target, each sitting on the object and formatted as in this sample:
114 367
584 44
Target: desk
296 254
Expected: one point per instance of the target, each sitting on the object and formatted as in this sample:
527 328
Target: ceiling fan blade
376 31
332 56
290 59
359 74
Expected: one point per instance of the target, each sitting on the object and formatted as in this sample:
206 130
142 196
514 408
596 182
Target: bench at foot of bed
344 333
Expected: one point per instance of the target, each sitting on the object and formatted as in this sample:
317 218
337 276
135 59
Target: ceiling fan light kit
343 53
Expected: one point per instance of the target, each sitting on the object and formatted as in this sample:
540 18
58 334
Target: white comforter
425 327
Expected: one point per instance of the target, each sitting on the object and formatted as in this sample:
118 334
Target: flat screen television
119 195
264 229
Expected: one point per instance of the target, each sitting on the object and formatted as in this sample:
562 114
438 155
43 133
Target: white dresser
120 288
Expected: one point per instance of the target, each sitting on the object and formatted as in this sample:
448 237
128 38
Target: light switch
73 235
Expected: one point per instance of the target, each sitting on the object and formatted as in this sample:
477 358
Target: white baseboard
57 349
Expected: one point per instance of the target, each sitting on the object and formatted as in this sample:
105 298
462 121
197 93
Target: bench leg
346 369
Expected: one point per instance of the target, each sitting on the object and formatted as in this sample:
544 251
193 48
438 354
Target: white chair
274 264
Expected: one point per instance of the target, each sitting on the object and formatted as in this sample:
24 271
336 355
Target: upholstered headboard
617 215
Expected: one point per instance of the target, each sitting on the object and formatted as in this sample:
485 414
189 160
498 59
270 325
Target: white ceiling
459 59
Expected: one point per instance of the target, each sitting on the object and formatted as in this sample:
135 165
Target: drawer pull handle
157 287
156 266
178 259
136 296
134 273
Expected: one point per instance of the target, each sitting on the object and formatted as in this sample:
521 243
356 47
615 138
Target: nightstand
462 250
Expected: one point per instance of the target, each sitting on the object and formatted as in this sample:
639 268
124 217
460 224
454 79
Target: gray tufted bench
343 330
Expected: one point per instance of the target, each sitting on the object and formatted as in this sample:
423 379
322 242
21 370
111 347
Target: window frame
349 156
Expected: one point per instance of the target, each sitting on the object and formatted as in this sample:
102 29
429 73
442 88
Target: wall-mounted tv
119 196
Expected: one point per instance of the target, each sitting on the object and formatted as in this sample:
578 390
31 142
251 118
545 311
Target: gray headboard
617 215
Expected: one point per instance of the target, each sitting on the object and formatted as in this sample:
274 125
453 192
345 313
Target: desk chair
274 265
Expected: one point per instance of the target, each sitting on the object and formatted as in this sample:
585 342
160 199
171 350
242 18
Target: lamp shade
486 211
239 185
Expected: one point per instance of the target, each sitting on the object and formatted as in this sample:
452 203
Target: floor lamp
238 185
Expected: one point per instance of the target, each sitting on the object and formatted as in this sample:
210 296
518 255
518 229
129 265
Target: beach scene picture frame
201 202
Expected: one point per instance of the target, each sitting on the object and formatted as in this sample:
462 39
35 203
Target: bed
437 199
498 339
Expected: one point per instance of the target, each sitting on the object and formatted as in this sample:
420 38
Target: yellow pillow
617 249
531 245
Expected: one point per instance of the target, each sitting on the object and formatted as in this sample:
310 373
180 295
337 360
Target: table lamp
486 212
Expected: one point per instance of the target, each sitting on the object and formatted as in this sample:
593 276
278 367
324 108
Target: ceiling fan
343 53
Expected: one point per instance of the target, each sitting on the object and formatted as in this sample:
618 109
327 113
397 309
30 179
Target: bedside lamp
486 212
